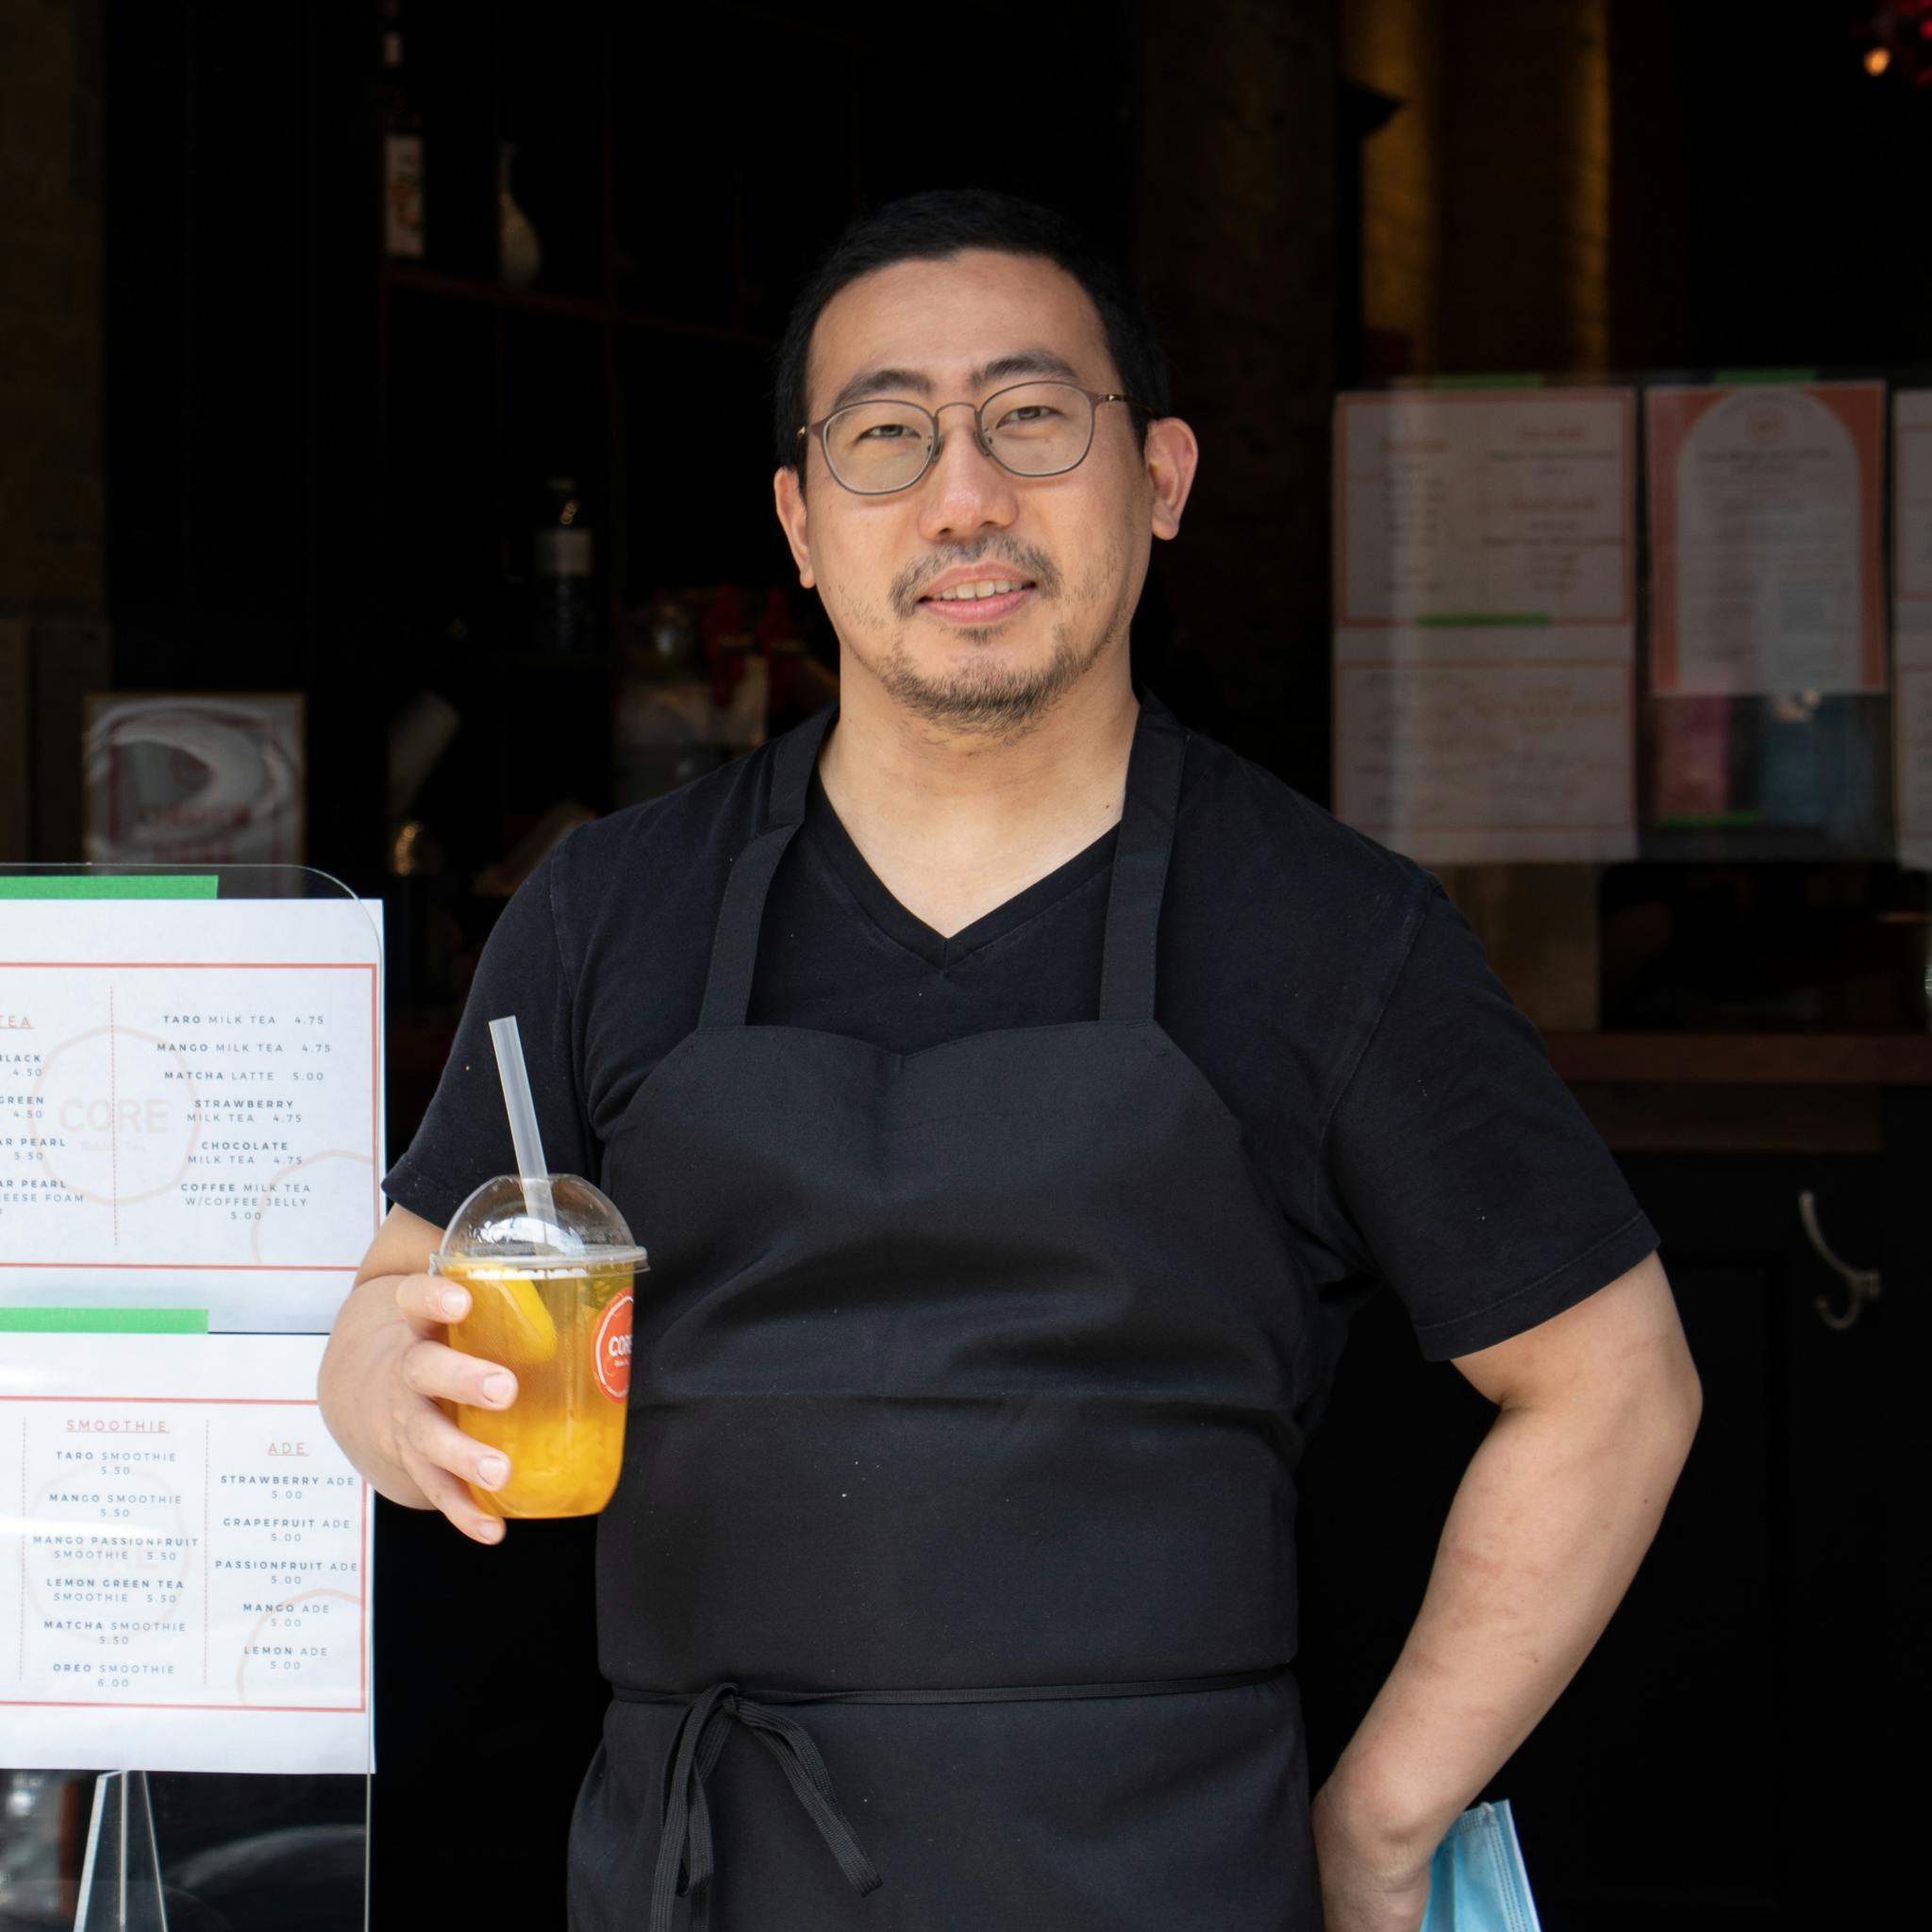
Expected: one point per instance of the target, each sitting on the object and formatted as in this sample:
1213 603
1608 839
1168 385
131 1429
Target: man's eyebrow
881 382
1024 362
887 381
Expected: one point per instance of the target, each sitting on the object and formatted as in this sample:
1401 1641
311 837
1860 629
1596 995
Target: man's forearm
368 1331
1548 1526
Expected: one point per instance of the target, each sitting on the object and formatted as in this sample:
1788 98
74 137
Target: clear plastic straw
524 1136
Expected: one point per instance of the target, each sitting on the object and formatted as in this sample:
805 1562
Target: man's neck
955 822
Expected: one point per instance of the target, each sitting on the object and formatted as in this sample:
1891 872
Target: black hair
948 221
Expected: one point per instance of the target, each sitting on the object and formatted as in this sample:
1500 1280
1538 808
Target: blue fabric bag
1476 1880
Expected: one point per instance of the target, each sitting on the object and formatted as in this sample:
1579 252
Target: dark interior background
303 467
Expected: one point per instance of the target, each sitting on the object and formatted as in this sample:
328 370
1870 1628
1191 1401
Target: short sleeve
464 1137
1479 1186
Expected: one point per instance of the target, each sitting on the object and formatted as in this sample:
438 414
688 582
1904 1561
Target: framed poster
195 778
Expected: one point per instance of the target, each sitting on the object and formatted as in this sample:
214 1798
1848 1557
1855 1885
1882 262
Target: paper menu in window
1485 593
1460 761
1483 506
1765 526
1911 553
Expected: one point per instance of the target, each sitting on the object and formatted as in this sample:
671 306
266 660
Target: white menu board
188 1586
1765 538
190 1106
1485 638
1911 551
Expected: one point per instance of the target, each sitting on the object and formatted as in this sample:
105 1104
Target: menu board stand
121 1887
190 1157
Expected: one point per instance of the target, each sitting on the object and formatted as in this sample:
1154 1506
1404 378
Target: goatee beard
992 699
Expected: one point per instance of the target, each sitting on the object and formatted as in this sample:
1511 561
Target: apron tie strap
686 1840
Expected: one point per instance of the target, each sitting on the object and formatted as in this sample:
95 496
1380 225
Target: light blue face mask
1476 1880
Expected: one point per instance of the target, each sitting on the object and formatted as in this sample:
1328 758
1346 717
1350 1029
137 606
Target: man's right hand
388 1373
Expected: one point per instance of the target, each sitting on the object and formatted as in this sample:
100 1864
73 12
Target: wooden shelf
1741 1059
557 660
473 288
488 294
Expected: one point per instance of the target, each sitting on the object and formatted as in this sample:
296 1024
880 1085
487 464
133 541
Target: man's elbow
1676 1405
1657 1398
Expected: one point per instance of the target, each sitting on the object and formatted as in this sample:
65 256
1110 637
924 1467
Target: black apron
967 1389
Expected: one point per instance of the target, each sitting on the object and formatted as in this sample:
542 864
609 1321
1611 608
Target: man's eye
885 432
1028 415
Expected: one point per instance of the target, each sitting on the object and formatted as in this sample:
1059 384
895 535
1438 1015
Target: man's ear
787 496
1171 456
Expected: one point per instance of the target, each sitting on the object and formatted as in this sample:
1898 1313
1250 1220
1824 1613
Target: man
1010 1086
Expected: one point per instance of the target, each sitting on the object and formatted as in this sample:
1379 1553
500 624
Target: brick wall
1585 227
53 521
1487 198
1235 250
52 511
1390 45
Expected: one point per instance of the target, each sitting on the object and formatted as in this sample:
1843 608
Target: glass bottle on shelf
564 605
665 725
402 146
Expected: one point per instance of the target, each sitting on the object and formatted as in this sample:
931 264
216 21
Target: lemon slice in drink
507 1322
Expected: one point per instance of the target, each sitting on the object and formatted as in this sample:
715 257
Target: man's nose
965 489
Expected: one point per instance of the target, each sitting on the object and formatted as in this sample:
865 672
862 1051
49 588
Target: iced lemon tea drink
565 1334
550 1272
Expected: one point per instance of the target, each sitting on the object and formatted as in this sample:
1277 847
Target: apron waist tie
686 1832
687 1846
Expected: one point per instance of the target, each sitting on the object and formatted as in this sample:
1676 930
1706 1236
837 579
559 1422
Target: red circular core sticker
613 1349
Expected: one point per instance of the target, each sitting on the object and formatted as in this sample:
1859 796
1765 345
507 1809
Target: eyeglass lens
1035 429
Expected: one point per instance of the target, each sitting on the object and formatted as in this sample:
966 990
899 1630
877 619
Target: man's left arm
1596 1410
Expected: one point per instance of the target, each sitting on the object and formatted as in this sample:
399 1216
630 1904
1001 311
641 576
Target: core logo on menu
613 1349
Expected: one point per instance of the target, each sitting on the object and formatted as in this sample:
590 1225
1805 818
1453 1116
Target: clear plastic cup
549 1272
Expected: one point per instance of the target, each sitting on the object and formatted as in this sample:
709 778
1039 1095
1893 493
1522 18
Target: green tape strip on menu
103 1321
129 886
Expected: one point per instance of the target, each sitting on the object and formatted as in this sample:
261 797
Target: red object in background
721 635
775 628
1898 42
776 639
798 684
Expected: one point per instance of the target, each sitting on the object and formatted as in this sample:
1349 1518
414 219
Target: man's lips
975 611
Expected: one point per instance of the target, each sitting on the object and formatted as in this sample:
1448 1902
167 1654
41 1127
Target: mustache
911 584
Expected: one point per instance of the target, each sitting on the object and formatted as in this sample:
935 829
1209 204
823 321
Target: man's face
1074 548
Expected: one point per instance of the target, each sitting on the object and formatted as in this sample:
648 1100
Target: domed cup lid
563 1227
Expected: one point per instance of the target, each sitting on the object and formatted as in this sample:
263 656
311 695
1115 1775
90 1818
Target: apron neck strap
1134 897
735 945
1139 863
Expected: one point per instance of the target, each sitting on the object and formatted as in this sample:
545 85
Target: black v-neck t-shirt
1398 1109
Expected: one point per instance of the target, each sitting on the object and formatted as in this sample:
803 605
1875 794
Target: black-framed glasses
1031 429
